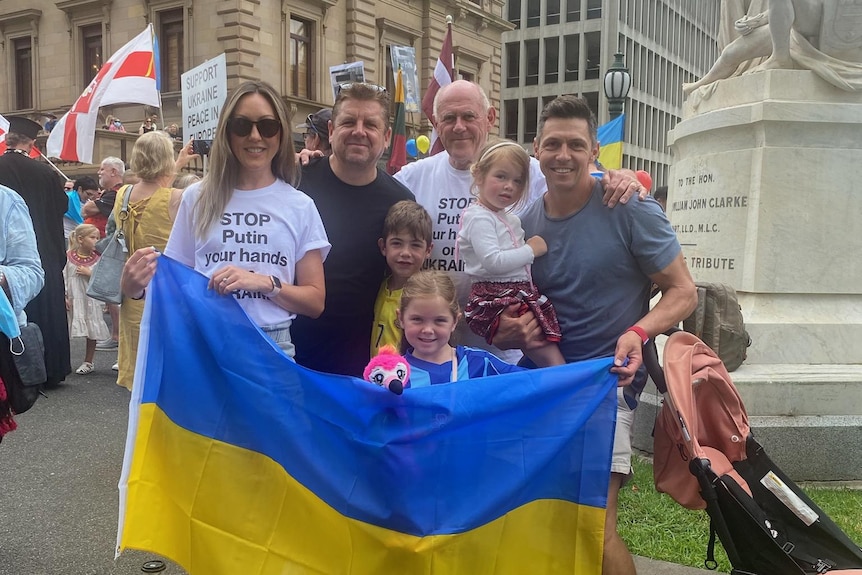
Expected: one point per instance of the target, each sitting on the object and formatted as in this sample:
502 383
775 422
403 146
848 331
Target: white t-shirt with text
265 231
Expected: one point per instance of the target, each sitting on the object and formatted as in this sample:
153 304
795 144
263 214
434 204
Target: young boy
406 244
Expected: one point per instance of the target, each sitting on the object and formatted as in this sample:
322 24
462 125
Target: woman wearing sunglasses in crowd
244 225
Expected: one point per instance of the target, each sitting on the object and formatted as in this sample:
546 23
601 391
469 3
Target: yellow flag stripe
202 503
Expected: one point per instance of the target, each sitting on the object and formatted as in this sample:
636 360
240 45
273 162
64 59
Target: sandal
85 368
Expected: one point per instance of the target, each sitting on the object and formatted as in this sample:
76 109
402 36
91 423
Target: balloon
411 148
645 179
423 143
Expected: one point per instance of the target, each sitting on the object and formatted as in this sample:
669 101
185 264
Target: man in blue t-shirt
598 272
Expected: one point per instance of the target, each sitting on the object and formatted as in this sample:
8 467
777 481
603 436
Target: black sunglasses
267 128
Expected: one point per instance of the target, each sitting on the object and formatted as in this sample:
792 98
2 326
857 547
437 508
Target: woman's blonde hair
153 156
497 150
81 231
224 169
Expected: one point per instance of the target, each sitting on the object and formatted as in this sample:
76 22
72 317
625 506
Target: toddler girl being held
496 257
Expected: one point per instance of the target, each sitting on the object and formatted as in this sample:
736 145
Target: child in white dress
496 257
84 313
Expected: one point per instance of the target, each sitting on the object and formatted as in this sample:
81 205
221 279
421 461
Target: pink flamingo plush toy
388 369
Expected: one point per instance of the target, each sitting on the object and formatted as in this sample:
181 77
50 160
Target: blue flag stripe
612 132
437 460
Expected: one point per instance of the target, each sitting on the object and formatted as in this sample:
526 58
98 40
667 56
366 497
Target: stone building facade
51 49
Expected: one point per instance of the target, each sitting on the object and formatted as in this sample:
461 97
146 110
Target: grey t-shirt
596 269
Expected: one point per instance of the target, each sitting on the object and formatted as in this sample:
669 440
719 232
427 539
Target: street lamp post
618 81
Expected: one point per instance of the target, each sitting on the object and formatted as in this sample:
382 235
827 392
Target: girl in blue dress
428 315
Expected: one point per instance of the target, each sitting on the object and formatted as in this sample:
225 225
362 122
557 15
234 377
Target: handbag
28 356
110 228
104 282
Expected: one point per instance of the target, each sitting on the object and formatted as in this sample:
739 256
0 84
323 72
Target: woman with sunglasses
244 225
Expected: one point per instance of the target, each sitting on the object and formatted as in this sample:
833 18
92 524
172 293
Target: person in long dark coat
42 190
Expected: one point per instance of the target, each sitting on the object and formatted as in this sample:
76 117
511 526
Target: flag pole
59 171
157 64
451 64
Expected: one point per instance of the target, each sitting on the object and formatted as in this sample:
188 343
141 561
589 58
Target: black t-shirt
339 340
106 202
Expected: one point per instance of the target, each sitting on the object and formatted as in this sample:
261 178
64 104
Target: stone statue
733 11
824 36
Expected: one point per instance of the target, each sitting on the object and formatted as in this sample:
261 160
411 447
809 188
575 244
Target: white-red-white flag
128 77
444 74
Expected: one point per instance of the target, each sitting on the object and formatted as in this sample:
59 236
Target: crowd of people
535 255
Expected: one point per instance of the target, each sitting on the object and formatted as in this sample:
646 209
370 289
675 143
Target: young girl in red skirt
496 257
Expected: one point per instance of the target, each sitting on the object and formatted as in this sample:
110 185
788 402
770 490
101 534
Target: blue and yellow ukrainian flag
239 461
610 138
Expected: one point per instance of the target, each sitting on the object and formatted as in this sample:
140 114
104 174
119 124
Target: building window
534 9
594 55
592 99
91 57
553 12
573 57
511 127
552 60
531 118
513 64
464 75
514 12
171 32
300 58
23 52
594 9
573 10
531 52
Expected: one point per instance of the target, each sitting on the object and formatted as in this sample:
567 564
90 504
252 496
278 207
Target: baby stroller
706 458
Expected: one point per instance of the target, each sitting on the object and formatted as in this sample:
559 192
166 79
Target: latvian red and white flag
128 77
443 76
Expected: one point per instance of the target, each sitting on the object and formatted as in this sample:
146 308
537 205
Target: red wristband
640 331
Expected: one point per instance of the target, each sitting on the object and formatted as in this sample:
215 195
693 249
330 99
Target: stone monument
765 194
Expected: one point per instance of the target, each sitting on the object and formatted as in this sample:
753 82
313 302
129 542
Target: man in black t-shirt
353 197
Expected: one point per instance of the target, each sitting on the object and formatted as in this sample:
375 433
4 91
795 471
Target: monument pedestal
765 194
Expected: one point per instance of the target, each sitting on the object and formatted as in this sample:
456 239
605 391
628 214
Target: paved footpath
652 567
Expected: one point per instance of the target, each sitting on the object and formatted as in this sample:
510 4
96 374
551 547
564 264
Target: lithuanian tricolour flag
610 137
239 461
398 144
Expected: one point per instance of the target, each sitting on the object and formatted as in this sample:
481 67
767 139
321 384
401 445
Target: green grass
654 525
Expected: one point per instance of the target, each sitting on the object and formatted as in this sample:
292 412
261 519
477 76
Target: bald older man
464 118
